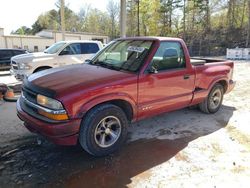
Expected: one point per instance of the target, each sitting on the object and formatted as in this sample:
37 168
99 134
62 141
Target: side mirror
152 70
65 52
87 61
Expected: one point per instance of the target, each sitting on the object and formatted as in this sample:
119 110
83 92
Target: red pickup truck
130 79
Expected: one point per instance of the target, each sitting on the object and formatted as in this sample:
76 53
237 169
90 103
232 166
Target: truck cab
59 54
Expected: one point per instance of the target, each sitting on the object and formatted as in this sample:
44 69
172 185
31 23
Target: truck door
71 54
168 83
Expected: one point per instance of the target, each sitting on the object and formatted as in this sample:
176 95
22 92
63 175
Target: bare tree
113 11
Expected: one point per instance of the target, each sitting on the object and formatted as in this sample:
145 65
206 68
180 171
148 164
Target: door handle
186 76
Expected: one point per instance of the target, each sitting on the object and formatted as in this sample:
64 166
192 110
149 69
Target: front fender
106 98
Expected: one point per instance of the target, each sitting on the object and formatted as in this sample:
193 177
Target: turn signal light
54 116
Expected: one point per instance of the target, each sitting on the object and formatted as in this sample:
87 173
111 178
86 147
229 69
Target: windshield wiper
106 65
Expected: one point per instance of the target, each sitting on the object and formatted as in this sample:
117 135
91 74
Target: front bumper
62 133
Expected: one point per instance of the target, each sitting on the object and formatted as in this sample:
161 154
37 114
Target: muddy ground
185 148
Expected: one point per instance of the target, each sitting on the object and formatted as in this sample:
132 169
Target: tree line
208 27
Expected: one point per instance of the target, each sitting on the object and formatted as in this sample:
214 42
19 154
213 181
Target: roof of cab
16 49
81 41
151 38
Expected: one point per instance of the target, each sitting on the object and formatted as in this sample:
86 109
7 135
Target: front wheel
103 130
213 101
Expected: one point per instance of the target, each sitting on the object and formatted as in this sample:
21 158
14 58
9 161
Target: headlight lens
24 66
48 102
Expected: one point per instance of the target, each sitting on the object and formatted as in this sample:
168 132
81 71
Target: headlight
58 112
49 103
24 66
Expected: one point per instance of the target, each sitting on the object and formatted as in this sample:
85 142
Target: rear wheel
213 101
103 130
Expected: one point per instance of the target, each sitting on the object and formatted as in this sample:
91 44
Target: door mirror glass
87 60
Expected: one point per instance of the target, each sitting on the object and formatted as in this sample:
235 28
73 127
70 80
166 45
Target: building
238 53
43 39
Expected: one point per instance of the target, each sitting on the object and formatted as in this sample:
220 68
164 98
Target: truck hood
31 56
75 77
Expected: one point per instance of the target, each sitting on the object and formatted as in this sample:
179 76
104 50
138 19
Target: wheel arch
41 67
224 85
222 81
125 103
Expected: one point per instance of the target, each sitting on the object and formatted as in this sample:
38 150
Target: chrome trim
42 108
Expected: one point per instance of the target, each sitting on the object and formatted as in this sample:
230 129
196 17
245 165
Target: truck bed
201 61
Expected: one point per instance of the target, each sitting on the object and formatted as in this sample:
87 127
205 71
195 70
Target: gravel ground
185 148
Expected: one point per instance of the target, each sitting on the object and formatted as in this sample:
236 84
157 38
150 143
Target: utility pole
184 20
138 17
123 18
62 19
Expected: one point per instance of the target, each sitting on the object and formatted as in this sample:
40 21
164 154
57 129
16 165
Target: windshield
123 55
54 48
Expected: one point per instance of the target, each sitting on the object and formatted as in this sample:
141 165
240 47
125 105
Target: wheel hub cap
107 131
215 99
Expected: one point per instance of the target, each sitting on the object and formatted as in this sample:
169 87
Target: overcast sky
17 13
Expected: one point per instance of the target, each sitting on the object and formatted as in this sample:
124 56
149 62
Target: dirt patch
242 138
181 156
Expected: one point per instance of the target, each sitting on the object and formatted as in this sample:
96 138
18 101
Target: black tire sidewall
87 132
213 110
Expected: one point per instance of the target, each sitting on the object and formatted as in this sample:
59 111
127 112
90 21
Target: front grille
28 108
29 95
14 65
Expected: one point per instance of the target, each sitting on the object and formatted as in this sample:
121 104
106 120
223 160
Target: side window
72 49
169 55
18 52
89 48
5 54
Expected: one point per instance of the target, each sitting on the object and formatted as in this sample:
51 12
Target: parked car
59 54
130 79
5 56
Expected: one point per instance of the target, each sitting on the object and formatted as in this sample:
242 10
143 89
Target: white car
59 54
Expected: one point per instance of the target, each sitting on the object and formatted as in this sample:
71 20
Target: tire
193 107
213 101
103 130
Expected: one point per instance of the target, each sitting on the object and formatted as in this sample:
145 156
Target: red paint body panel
81 87
159 93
